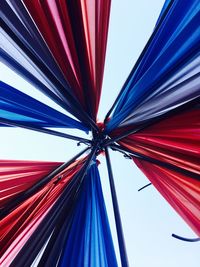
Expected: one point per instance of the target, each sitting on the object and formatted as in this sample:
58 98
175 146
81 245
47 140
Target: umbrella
56 211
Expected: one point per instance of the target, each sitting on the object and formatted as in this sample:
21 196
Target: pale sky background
148 220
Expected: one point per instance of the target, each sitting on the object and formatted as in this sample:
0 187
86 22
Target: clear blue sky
147 218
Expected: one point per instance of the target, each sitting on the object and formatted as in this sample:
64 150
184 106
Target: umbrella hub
100 140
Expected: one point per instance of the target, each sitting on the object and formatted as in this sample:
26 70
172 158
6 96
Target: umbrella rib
186 239
36 187
156 161
120 235
45 130
145 186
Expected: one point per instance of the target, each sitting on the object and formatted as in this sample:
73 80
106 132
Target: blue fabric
163 67
24 32
164 9
22 71
19 107
89 242
25 51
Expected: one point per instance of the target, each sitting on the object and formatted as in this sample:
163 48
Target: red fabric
76 33
21 222
182 193
101 126
175 140
20 240
17 176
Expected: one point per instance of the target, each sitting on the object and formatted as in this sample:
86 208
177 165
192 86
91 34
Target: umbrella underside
53 213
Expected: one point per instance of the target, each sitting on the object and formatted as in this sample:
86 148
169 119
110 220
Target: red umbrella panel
181 192
173 145
18 225
80 53
174 140
17 176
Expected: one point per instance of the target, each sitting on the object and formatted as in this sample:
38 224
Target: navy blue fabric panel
172 53
164 9
19 107
89 243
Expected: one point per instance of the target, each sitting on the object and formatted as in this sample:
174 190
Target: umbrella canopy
54 214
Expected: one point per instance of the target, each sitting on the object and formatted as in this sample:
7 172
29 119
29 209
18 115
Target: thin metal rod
156 162
83 171
44 130
121 242
186 239
35 188
145 186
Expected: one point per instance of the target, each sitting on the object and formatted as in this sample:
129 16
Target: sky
148 220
